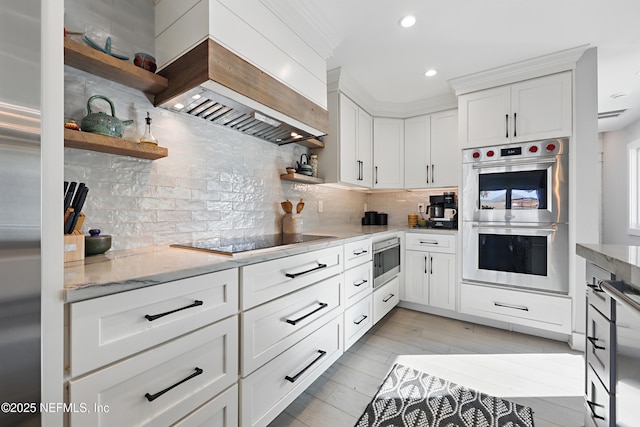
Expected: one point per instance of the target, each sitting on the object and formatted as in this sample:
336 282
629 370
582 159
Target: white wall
615 185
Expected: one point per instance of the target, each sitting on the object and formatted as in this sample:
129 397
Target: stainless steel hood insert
214 84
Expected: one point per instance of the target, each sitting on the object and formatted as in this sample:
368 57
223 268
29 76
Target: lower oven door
531 256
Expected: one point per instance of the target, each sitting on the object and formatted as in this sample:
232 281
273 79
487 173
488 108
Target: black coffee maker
443 211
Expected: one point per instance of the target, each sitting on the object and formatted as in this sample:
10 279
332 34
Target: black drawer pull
294 275
364 251
295 377
152 397
360 283
388 298
361 320
593 340
300 319
152 317
594 287
515 307
592 406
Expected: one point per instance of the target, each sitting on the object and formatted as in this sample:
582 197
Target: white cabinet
385 298
431 150
358 319
348 154
430 270
549 312
388 153
533 109
162 385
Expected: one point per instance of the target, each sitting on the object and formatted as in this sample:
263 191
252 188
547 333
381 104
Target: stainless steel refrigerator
20 202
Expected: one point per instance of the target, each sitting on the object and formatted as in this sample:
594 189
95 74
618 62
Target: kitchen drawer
385 298
597 297
110 328
358 282
207 357
268 280
356 253
599 403
431 242
271 328
549 312
358 319
267 392
221 411
600 346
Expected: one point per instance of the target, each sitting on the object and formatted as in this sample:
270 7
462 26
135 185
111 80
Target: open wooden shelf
82 57
311 143
297 177
111 145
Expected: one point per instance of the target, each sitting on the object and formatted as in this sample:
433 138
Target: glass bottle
148 137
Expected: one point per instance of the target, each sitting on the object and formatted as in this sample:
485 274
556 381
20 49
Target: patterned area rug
410 398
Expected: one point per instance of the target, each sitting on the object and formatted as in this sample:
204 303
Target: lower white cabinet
358 282
358 319
161 385
270 389
385 298
430 264
549 312
221 411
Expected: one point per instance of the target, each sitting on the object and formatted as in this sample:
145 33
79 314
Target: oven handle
608 286
550 228
514 162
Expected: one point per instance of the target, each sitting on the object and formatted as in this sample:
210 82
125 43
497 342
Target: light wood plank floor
544 374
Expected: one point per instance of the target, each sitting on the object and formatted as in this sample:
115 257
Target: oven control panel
525 150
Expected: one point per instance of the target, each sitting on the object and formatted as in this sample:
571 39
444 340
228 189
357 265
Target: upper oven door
531 189
532 256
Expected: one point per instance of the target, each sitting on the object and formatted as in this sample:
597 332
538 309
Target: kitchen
214 183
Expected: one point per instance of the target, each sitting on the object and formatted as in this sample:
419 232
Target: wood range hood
213 83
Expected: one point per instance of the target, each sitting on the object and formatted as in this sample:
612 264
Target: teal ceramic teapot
102 123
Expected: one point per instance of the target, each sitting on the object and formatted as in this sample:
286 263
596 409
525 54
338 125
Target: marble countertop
119 271
621 260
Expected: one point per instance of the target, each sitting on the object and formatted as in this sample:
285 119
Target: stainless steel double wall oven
514 212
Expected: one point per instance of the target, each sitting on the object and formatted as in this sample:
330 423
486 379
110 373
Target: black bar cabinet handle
506 117
431 261
152 317
427 174
361 170
360 283
388 298
425 265
515 307
376 174
515 123
433 171
364 251
362 319
593 340
152 397
294 275
295 377
595 288
300 319
593 411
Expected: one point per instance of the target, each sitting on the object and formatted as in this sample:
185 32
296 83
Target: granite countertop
621 260
118 271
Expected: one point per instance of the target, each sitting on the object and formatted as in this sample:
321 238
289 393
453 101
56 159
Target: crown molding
542 65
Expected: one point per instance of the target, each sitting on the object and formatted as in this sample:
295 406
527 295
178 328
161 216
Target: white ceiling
461 37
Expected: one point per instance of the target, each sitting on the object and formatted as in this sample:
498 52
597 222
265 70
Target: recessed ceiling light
196 96
407 21
178 106
431 73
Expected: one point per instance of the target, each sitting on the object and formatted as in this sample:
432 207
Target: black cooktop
251 243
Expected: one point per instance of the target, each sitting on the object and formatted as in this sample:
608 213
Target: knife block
74 242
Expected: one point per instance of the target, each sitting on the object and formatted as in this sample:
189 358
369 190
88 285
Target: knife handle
70 222
69 196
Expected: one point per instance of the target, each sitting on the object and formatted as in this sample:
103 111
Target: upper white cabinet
533 109
431 150
388 153
347 157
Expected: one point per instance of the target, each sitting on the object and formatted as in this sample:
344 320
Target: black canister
381 218
370 218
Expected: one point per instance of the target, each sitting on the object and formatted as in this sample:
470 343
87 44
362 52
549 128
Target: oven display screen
513 151
513 190
513 254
